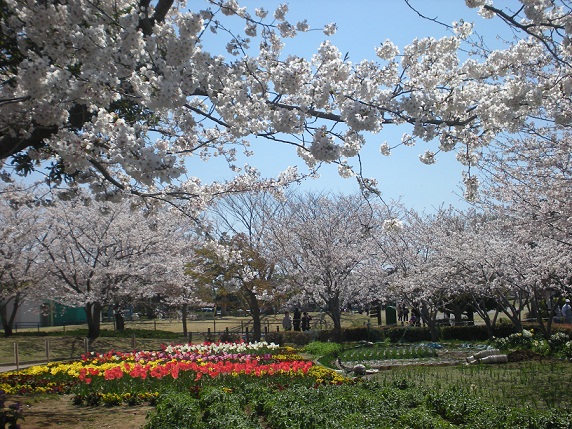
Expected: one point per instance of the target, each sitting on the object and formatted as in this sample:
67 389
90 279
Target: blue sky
362 25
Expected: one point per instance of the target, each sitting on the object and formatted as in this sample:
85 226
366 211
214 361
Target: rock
359 369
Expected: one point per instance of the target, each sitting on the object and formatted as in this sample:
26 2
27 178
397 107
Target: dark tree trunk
93 315
254 307
184 308
336 315
480 306
8 319
429 316
119 320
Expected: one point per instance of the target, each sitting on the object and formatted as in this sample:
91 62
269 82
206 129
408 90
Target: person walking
306 318
567 311
287 321
296 319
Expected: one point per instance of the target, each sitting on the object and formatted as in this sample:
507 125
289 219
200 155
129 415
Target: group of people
299 321
403 315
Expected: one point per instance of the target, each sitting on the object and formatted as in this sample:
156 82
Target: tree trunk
93 316
254 307
8 319
480 306
119 320
545 327
430 317
184 316
336 315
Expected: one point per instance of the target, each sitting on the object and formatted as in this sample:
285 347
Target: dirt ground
59 412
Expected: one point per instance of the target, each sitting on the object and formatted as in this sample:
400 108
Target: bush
504 329
175 410
300 338
318 348
229 337
274 337
409 334
464 333
363 333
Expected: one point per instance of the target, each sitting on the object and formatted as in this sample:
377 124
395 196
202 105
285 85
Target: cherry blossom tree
247 218
325 246
234 266
420 279
472 261
98 252
121 95
170 283
20 254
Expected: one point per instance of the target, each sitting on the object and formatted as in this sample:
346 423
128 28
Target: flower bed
114 377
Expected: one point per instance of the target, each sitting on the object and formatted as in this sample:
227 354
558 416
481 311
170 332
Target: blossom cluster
162 80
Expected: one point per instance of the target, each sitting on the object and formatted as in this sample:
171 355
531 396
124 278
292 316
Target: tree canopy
121 95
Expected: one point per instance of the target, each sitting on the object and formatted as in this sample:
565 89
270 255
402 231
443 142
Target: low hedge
402 333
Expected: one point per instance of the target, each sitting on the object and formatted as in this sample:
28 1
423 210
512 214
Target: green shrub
363 333
229 337
298 338
504 329
409 334
318 348
464 333
175 410
274 337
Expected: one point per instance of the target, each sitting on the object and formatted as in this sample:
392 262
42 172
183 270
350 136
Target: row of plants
382 351
530 384
254 403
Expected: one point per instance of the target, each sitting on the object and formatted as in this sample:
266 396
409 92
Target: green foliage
365 405
223 407
384 351
298 338
274 337
175 410
408 334
519 340
454 406
464 333
534 384
318 348
363 333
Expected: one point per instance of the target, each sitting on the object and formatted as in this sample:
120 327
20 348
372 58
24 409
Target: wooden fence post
16 356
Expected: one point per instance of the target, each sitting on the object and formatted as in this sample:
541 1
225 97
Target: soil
522 355
59 412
